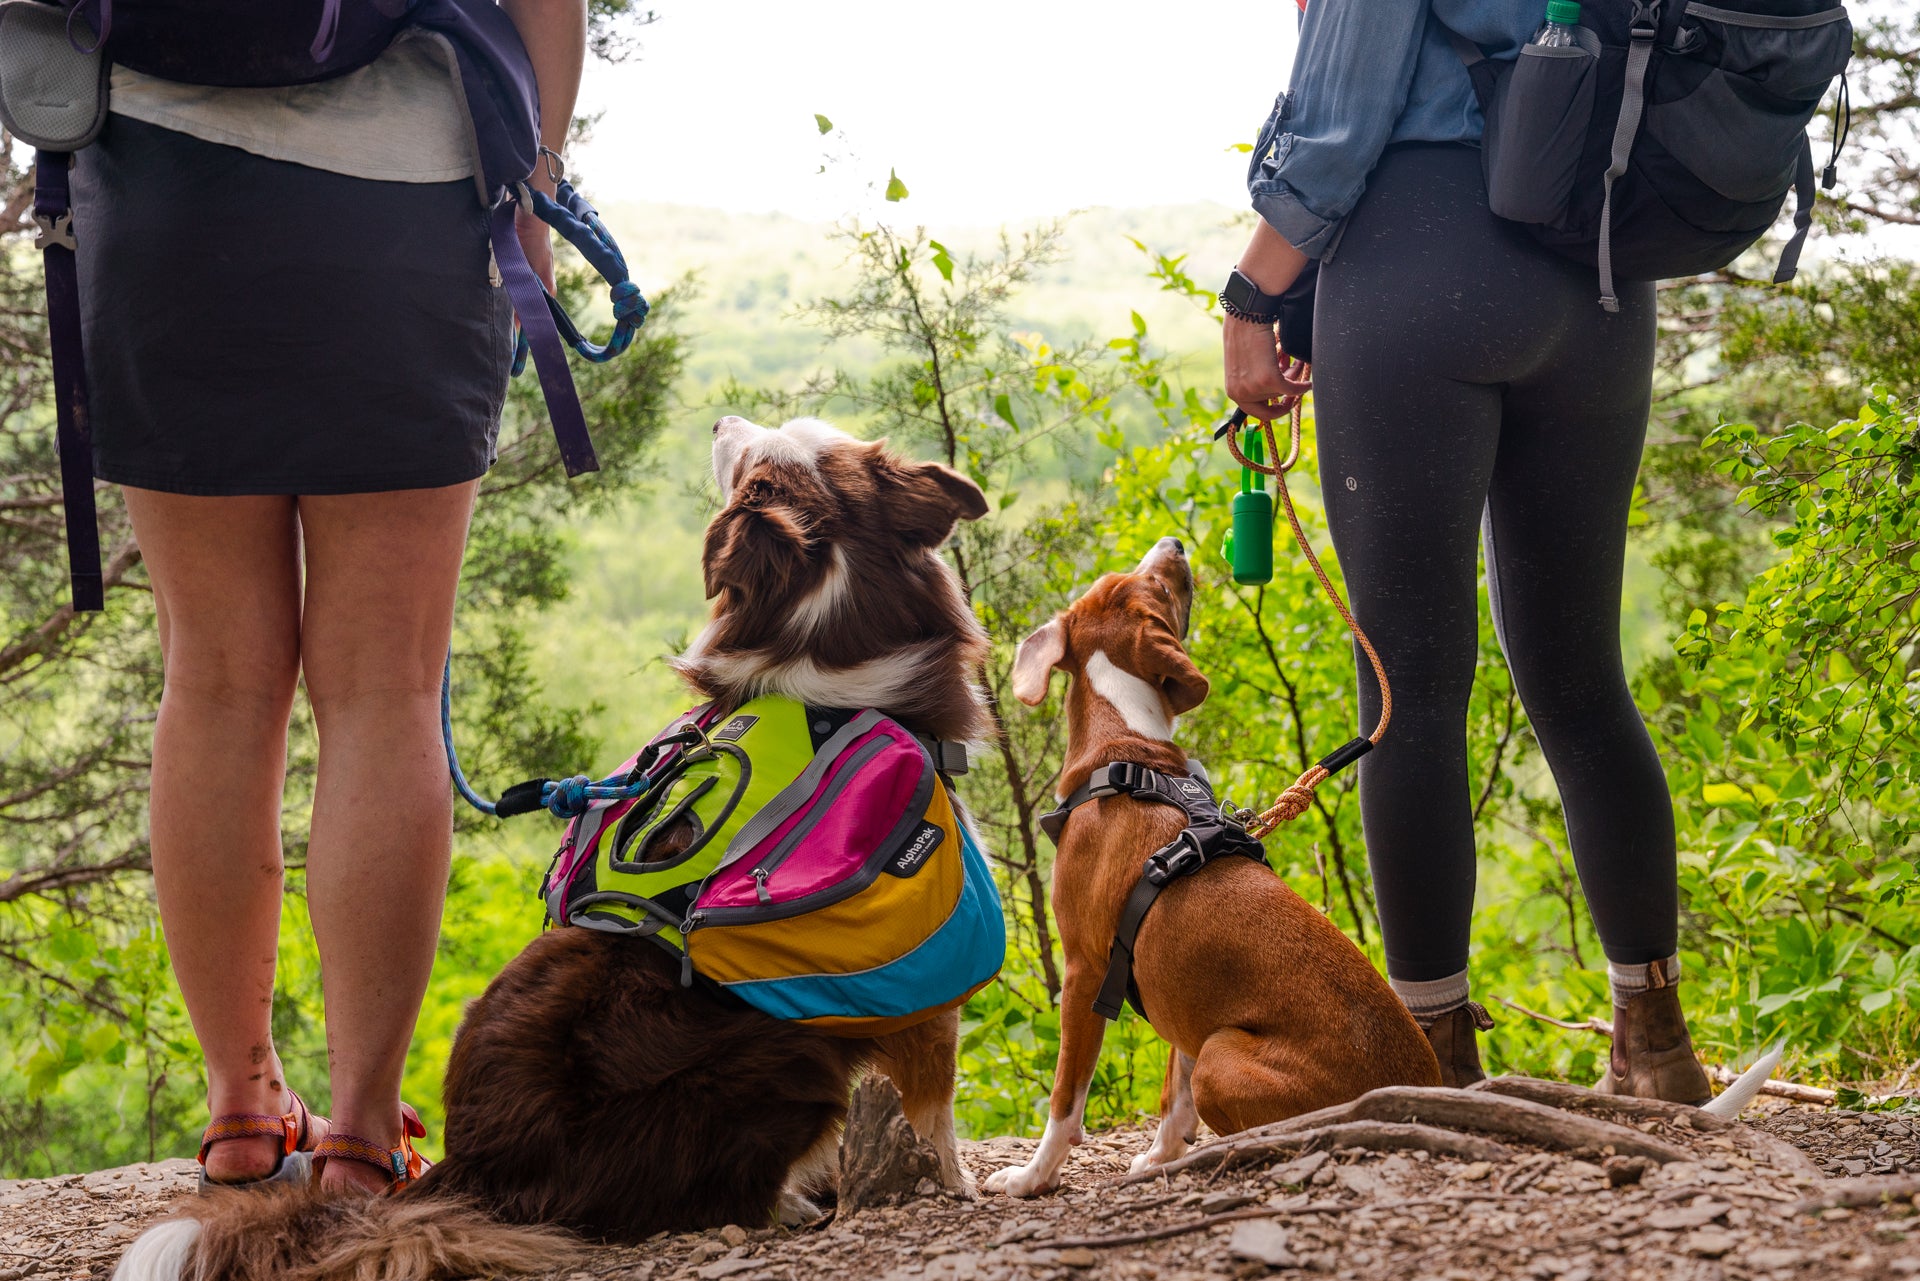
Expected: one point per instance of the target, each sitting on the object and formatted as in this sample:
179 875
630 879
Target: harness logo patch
915 853
732 731
1192 788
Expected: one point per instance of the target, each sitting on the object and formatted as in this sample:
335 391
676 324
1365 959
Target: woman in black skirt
298 355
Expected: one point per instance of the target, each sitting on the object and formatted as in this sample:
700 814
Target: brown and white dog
1270 1009
587 1089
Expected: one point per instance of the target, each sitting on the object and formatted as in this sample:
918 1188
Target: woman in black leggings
1470 390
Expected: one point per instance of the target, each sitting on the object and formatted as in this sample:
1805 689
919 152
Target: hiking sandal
401 1165
294 1130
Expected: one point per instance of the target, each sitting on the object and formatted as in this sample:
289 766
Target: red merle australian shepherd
587 1089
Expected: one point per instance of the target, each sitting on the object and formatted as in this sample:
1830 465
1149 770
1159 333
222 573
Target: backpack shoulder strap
53 212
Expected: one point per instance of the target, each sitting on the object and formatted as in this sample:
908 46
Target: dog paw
1148 1160
1019 1180
795 1210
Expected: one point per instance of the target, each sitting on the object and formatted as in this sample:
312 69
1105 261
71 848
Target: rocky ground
1524 1191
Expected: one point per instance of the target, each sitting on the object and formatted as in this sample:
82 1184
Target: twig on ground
1599 1025
1779 1089
1371 1133
1854 1193
1262 1212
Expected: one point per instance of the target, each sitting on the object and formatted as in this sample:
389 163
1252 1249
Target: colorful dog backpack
809 861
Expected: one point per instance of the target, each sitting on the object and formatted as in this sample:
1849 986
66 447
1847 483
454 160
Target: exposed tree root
1853 1193
1508 1118
1377 1136
1201 1224
1574 1098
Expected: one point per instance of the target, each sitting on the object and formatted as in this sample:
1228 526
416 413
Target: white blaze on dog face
739 444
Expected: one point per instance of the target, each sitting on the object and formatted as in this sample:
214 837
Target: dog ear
764 549
924 501
1034 661
1166 663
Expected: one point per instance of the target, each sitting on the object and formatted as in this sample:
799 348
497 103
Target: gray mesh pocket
51 95
1536 131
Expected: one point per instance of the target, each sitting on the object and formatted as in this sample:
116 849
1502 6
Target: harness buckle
1181 856
1124 776
56 231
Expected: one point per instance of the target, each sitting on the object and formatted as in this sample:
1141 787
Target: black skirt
259 327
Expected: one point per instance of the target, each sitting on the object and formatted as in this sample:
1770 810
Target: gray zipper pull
760 875
686 970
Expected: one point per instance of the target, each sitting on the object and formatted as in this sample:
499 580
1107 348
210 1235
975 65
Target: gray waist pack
53 81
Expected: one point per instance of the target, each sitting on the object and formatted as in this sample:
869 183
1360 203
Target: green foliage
1792 728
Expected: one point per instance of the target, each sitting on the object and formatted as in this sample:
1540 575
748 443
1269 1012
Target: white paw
795 1210
1145 1161
1020 1180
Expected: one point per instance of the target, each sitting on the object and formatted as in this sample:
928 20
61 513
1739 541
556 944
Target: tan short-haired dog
1270 1009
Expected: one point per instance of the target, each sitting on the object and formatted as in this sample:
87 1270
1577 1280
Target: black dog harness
1210 834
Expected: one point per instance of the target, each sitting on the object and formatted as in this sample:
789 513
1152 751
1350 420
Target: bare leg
1177 1117
226 586
382 569
1081 1032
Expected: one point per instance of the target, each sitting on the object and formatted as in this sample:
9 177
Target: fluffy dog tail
1747 1088
313 1235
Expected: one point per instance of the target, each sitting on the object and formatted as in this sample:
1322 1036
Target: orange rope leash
1294 802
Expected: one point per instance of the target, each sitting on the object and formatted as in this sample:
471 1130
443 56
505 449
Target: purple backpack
258 43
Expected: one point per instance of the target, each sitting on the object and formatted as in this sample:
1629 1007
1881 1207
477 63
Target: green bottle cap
1564 11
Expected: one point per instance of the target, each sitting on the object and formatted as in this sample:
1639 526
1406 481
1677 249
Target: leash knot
569 798
628 302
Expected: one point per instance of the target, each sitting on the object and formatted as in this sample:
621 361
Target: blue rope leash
562 797
568 213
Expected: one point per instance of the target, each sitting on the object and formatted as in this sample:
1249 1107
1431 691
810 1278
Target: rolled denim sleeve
1351 79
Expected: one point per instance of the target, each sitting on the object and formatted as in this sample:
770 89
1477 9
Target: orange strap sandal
401 1165
294 1130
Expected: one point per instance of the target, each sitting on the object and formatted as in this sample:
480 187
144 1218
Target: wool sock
1629 981
1429 999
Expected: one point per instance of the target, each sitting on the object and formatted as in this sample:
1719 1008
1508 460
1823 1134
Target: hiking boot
1652 1054
1453 1036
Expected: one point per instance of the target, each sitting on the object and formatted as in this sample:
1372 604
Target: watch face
1243 293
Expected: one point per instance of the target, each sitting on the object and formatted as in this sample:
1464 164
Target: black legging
1462 369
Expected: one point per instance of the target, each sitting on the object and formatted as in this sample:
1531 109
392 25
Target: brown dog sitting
1270 1009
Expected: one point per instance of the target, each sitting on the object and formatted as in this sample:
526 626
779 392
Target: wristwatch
1243 300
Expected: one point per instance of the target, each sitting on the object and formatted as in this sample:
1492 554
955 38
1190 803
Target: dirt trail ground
1719 1205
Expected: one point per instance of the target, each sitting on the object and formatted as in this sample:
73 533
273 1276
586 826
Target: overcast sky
989 110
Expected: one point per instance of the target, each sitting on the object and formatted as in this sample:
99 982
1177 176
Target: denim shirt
1369 73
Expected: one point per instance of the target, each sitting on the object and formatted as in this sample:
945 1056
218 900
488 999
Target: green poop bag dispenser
1249 546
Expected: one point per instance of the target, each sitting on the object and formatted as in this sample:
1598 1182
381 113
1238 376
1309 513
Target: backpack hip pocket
1536 130
1735 92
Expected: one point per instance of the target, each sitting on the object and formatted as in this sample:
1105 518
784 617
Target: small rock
704 1251
1475 1172
733 1234
1359 1179
1905 1267
1708 1243
1262 1241
1076 1257
1297 1171
1323 1176
1837 1213
1221 1202
1697 1215
729 1267
1773 1259
926 1187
